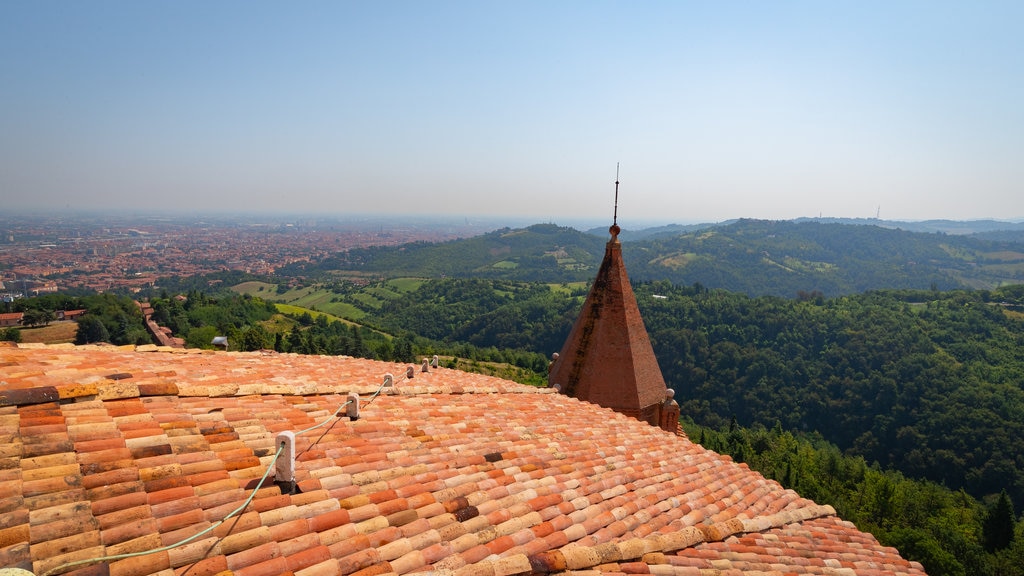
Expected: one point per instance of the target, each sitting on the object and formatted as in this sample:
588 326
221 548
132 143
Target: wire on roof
210 528
387 382
243 506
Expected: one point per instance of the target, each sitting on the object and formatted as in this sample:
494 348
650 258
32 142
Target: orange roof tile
108 451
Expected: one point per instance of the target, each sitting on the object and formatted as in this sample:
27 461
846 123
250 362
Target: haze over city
907 110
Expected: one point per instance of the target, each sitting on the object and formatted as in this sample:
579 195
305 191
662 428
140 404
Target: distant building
11 319
70 314
44 287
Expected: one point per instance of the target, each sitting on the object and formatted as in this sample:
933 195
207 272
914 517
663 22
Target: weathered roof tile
448 471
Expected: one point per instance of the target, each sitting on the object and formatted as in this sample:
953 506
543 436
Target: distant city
40 254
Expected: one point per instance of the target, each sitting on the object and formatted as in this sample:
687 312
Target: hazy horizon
907 111
490 222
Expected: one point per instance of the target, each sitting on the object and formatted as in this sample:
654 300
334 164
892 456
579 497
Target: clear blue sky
715 110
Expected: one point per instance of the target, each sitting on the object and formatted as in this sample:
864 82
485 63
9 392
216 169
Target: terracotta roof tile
108 450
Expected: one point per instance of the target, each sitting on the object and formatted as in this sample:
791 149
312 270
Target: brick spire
608 359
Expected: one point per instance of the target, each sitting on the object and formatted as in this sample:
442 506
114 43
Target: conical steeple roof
608 359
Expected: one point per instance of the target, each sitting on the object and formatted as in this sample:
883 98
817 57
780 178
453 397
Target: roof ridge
106 385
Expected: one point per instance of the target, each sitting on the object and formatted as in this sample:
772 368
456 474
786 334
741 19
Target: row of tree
950 532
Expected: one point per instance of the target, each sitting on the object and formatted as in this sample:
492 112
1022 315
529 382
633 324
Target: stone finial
554 358
426 366
410 372
668 419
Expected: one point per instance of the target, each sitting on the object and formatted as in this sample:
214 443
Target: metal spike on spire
615 215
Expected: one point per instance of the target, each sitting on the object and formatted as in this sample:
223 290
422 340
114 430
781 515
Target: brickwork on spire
608 359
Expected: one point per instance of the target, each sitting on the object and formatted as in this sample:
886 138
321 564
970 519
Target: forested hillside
948 531
927 382
755 257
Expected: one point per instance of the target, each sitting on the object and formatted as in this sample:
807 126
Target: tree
37 317
91 330
254 338
997 529
403 350
201 337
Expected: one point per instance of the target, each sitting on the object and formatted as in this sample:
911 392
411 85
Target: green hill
759 257
755 257
542 252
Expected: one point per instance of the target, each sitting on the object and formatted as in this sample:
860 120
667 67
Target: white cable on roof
231 514
176 544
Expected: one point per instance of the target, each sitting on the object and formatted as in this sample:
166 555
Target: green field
382 293
299 310
349 307
567 287
278 324
368 300
53 333
675 261
404 285
262 289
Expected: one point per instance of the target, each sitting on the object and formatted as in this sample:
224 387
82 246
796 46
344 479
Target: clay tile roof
108 451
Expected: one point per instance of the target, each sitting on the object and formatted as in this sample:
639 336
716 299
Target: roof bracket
352 406
284 471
